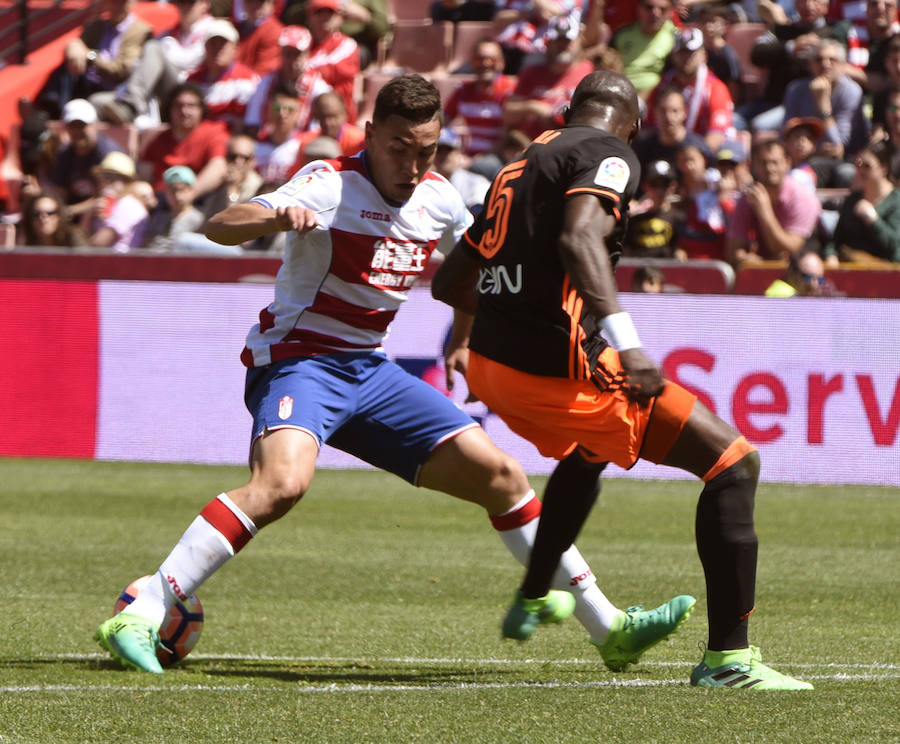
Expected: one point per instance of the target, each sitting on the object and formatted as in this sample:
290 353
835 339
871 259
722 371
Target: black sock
570 494
727 544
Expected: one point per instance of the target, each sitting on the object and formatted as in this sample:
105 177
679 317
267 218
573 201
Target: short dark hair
764 146
411 97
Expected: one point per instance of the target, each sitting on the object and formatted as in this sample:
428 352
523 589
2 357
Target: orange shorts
558 414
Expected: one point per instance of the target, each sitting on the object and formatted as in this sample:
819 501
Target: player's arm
454 284
582 249
242 222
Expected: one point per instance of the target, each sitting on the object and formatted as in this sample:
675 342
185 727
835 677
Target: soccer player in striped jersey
360 230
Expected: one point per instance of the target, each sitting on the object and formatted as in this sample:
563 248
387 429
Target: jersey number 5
498 207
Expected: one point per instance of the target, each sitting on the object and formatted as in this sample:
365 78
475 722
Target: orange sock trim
745 617
735 451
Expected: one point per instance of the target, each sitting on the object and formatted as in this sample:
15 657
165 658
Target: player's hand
300 219
457 360
644 378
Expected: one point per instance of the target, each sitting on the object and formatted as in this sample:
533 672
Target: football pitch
371 613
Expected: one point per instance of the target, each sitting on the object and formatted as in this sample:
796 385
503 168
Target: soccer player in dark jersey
535 272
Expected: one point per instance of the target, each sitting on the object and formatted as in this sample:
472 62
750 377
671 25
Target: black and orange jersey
528 311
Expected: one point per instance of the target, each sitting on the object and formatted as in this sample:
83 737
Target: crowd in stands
771 128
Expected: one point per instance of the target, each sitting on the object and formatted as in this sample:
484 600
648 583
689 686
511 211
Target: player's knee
508 476
279 494
748 467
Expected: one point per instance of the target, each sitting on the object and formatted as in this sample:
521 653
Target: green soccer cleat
132 640
635 631
742 668
525 615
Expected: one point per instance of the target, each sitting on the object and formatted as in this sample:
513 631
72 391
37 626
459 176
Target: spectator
805 277
775 217
278 147
706 209
652 225
648 280
866 43
72 175
835 99
259 30
720 57
331 116
544 90
892 128
45 223
367 23
462 10
98 60
887 82
191 139
333 54
785 52
645 44
294 74
165 62
668 134
226 83
240 181
868 228
452 163
522 26
709 104
121 217
800 136
179 216
479 104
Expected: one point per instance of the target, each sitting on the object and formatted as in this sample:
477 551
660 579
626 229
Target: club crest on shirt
285 407
613 174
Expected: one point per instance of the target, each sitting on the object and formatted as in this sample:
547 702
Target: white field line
438 687
877 671
460 660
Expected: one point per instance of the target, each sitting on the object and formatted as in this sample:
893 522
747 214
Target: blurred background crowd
771 129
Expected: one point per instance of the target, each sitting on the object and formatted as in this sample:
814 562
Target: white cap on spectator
296 37
78 109
223 28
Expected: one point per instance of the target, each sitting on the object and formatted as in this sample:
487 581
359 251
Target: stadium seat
466 35
374 82
408 10
741 37
418 46
7 236
446 84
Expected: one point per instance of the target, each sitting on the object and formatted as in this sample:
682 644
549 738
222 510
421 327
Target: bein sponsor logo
760 401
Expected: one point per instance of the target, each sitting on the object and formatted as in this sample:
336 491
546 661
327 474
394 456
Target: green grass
371 614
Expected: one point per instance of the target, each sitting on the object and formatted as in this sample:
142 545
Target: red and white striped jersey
341 284
226 96
309 87
483 112
337 60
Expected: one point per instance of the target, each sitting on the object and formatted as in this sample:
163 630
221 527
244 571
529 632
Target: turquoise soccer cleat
131 639
635 631
524 616
742 669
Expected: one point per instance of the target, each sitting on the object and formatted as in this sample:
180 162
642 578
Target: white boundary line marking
457 660
879 671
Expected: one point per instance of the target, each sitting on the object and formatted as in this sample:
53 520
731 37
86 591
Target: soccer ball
181 628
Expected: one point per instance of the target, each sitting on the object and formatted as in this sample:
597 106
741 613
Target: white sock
592 608
201 551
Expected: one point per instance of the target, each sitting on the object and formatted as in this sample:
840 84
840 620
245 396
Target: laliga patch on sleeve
613 173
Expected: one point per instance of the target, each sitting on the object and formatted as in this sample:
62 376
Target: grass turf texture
371 613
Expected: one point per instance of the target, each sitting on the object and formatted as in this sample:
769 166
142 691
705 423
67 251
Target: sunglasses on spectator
813 279
279 107
45 213
232 156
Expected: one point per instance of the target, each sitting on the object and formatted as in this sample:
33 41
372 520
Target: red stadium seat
418 46
741 37
409 10
465 37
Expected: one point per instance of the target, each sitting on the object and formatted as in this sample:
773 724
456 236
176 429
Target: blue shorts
363 404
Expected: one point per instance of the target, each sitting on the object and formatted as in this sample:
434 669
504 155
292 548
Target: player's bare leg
472 468
282 468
